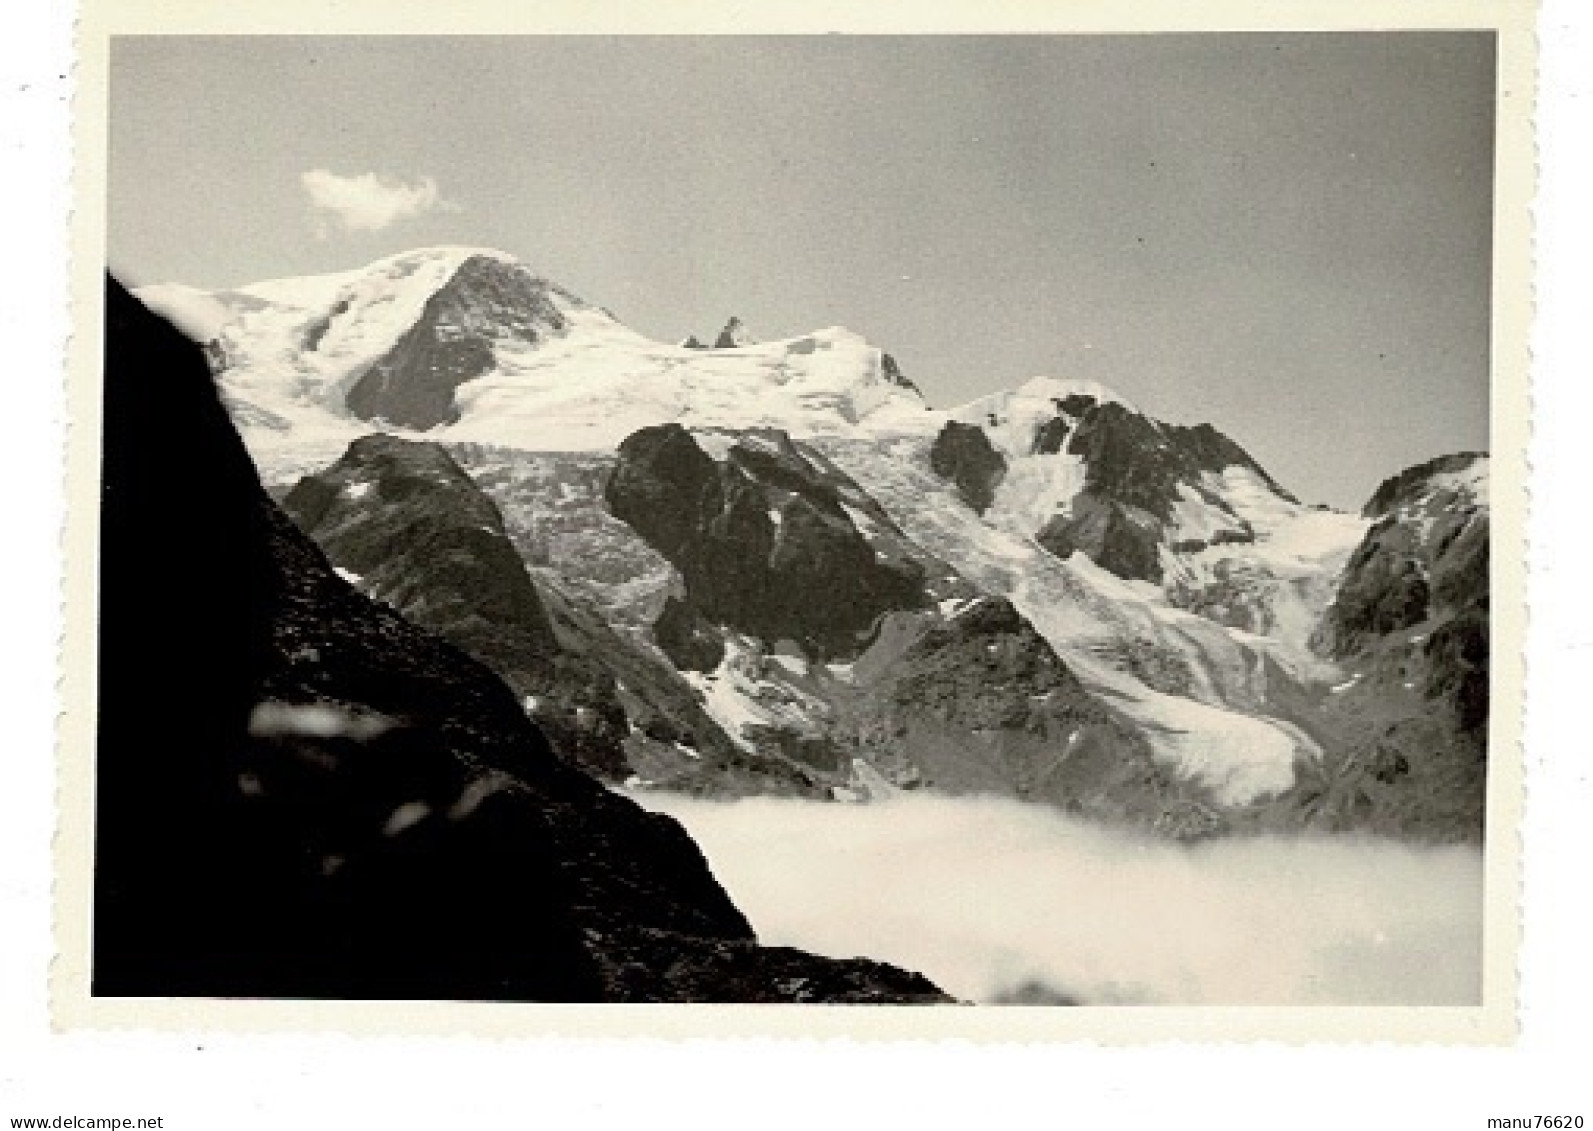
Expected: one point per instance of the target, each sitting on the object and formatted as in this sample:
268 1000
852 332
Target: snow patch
1013 416
275 719
1036 489
741 692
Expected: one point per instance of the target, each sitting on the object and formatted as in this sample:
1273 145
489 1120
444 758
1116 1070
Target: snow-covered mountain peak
1061 388
469 343
426 268
1014 417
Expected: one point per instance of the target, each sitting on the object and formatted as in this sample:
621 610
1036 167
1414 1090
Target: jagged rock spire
734 334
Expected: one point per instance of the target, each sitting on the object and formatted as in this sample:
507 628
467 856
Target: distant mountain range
769 567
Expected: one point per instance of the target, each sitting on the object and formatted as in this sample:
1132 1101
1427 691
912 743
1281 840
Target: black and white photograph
783 561
902 520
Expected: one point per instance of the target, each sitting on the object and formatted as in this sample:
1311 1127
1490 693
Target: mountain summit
471 344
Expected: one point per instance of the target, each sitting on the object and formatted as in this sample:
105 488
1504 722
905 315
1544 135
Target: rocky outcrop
672 743
1140 482
1409 485
603 588
963 454
892 372
487 301
301 794
1116 536
1410 627
1138 462
1384 588
766 541
733 335
1425 558
406 526
981 703
416 533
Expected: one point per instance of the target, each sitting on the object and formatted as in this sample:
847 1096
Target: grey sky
1286 235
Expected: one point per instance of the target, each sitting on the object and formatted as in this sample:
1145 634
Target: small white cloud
368 202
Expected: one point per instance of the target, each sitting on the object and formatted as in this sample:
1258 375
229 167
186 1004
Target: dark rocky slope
1407 729
411 529
452 342
765 544
301 794
963 454
981 703
1137 470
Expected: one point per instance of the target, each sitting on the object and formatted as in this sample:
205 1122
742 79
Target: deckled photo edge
1491 1023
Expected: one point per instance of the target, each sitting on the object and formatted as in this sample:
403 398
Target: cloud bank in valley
367 202
997 900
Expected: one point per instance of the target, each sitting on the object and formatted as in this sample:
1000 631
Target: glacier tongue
1206 720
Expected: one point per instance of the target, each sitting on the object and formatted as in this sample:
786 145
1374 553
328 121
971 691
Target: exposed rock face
1138 471
1141 463
764 541
1185 509
893 373
612 599
409 528
1116 536
1425 558
673 743
733 335
1140 487
419 535
1384 588
453 341
688 638
1410 485
980 703
963 454
301 794
958 693
1410 625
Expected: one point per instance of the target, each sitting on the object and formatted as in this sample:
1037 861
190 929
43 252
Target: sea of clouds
1002 901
